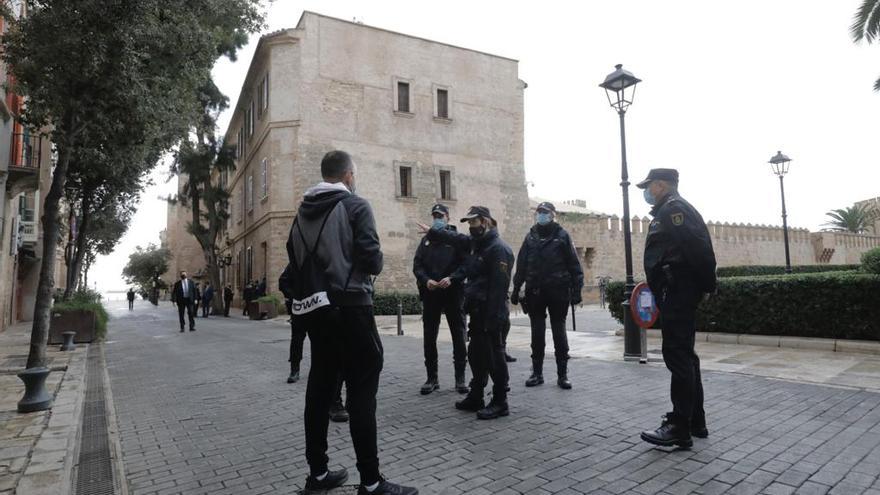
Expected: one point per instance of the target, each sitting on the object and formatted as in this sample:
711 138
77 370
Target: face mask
439 223
649 198
477 231
183 277
543 218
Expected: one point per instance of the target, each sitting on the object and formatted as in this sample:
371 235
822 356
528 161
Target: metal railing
28 232
26 150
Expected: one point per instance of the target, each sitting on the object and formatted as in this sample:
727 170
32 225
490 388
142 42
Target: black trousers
226 305
687 386
451 302
486 355
206 307
297 338
343 339
186 305
131 304
540 304
244 312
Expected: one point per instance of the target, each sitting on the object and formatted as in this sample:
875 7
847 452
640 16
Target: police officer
680 268
485 293
548 265
433 266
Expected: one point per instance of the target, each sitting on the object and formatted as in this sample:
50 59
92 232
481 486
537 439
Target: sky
723 89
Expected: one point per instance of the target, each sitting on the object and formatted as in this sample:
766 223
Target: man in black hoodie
434 265
334 251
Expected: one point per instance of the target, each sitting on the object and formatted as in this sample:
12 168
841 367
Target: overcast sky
724 87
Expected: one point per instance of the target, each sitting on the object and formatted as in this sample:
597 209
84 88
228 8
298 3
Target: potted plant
265 307
82 313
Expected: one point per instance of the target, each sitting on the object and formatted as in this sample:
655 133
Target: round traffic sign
643 306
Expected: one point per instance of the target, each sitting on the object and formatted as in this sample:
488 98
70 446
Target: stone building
426 122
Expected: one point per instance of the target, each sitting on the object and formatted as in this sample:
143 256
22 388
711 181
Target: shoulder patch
677 219
503 266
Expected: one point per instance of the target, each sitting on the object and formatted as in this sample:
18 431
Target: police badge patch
677 219
503 267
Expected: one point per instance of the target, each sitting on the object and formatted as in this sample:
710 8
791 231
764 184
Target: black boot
387 488
471 403
698 426
338 414
333 480
562 374
429 386
294 376
508 357
537 377
493 410
671 433
460 385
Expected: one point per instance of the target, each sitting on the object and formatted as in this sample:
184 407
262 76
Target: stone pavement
209 412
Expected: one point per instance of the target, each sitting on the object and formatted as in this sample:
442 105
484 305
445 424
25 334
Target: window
406 182
240 272
442 103
445 184
242 141
266 92
260 101
250 119
249 193
264 178
241 205
26 207
249 264
403 97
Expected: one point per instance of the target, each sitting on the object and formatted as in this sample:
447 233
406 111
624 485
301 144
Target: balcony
28 232
26 151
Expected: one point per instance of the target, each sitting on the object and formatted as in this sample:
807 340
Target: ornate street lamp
780 164
620 87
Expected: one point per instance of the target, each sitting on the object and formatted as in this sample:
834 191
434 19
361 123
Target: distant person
130 296
207 298
247 297
228 295
198 299
261 287
183 294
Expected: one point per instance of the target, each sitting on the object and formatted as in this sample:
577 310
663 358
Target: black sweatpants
486 354
343 338
540 304
686 388
451 302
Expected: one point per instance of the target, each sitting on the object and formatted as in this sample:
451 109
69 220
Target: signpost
644 313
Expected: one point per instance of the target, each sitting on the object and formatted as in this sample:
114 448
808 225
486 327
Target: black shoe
192 329
181 330
509 358
338 414
669 435
563 383
333 480
429 386
388 488
470 403
294 377
493 410
535 380
698 428
461 387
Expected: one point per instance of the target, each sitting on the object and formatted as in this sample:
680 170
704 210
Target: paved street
209 412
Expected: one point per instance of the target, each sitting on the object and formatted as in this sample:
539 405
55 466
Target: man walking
433 266
130 296
207 299
183 294
680 268
548 265
228 294
334 251
197 298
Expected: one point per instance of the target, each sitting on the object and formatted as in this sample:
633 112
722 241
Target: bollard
36 397
643 359
399 318
68 344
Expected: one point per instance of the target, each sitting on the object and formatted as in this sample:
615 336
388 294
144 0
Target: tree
106 225
144 268
121 66
866 26
853 219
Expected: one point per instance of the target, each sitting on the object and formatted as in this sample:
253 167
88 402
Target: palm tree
853 219
866 26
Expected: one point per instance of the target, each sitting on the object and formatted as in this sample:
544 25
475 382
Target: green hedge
756 270
385 303
838 305
101 316
871 261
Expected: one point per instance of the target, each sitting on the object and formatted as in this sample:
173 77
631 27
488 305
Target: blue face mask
649 198
543 218
439 223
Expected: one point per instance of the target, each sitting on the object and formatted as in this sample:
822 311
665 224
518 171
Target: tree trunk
214 275
75 268
51 223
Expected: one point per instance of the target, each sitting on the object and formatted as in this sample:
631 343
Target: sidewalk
37 449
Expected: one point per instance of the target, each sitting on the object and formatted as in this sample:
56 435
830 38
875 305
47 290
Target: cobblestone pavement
209 412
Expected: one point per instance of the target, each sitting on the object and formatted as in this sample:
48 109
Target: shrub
280 307
386 303
756 270
101 316
838 305
871 261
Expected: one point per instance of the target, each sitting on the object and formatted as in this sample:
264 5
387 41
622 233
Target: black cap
438 208
477 211
546 206
667 174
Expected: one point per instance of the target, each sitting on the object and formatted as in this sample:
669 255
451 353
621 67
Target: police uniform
548 265
487 272
680 268
436 261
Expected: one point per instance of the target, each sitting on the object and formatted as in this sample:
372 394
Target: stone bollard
399 318
36 397
68 344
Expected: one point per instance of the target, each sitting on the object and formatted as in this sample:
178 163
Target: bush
386 303
101 316
280 307
756 270
836 305
871 261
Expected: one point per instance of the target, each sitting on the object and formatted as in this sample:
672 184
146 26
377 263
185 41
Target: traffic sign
643 306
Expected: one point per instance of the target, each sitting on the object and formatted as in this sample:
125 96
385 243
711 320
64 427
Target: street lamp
620 87
780 163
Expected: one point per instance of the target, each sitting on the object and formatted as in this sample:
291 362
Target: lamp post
780 163
620 87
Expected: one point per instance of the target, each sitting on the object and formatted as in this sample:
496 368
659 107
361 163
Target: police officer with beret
487 273
548 265
680 268
440 292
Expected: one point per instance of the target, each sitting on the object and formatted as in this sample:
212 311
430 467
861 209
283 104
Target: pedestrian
207 299
130 296
261 287
334 252
547 263
680 268
197 300
488 279
228 295
247 296
183 295
433 265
